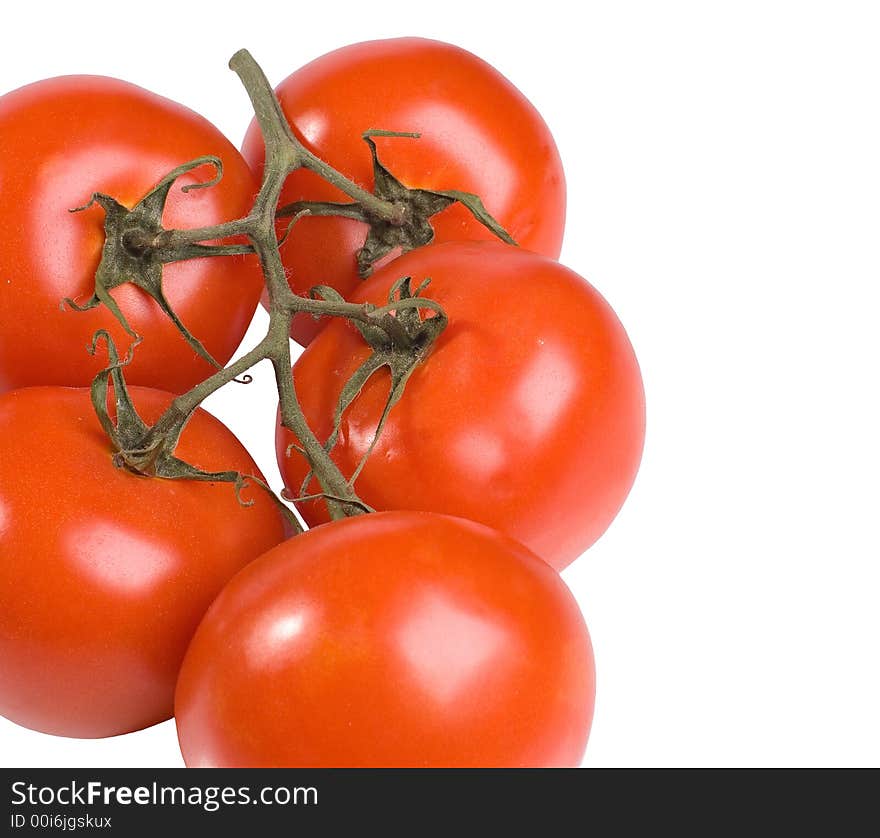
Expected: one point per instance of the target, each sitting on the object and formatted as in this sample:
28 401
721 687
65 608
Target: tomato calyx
400 348
140 449
401 219
134 250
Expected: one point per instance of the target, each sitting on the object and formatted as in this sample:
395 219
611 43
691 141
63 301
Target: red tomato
393 639
64 139
478 134
104 575
528 414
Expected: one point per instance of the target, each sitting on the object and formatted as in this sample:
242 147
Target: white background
723 164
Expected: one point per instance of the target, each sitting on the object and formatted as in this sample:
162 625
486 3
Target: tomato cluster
434 628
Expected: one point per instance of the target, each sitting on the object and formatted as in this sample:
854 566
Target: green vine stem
400 333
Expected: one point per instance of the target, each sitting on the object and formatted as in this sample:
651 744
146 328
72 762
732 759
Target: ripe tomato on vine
391 639
105 575
527 413
65 139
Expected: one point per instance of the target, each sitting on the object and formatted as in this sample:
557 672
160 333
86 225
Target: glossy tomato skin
528 415
391 639
478 134
104 576
63 140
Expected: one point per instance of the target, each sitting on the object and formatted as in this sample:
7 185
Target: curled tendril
90 203
103 336
239 486
294 447
186 168
291 224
